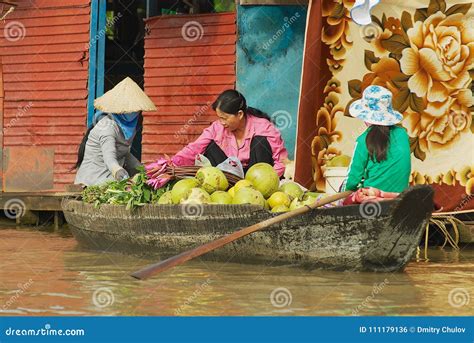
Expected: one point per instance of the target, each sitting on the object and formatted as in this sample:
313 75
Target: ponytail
257 113
82 149
378 141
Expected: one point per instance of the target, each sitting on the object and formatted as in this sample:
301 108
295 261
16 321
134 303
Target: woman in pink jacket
240 131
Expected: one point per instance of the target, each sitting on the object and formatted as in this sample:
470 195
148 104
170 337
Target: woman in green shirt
382 153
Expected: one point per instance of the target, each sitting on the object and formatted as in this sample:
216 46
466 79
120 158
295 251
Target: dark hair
82 149
232 101
378 141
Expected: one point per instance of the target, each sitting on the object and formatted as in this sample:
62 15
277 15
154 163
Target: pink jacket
225 139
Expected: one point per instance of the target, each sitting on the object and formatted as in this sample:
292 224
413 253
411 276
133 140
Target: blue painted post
101 47
92 62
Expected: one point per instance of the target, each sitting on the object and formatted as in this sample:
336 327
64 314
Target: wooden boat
374 236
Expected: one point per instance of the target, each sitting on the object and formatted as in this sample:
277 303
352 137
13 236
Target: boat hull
369 237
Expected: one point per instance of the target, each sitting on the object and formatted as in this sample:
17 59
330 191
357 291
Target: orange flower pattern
426 59
428 69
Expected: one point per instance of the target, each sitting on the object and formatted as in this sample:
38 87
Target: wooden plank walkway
35 201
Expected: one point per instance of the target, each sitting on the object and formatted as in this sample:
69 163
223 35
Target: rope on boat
440 222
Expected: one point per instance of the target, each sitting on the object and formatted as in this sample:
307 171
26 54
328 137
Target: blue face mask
127 122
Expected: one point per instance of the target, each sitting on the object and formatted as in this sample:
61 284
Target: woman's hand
121 174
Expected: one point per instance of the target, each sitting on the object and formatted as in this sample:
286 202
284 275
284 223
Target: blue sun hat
375 107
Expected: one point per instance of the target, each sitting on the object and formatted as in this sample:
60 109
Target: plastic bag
202 161
230 165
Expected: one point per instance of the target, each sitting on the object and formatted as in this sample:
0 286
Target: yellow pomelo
280 208
241 184
279 198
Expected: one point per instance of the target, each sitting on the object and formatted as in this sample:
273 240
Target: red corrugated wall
44 53
189 60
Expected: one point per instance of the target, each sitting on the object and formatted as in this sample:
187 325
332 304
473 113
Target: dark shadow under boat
374 236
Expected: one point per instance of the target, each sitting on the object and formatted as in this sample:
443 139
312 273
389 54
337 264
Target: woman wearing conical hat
104 154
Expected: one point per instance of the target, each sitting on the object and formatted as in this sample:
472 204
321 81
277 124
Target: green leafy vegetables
133 192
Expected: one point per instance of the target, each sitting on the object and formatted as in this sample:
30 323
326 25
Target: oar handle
203 249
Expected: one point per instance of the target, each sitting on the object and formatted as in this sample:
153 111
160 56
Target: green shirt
390 175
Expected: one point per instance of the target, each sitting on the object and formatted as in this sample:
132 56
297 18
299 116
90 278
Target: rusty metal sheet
1 120
42 118
182 118
27 169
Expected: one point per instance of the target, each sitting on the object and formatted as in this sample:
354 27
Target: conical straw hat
125 97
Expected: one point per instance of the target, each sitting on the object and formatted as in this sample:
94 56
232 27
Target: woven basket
184 172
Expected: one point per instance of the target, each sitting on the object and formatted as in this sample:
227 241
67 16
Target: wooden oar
203 249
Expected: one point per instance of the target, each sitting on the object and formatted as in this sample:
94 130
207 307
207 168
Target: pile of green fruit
261 187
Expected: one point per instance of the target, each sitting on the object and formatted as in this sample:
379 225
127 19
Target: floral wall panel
423 51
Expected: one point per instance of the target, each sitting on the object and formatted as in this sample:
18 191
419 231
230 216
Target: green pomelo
212 179
264 178
181 188
165 198
221 197
196 196
295 204
241 184
248 195
339 161
292 189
